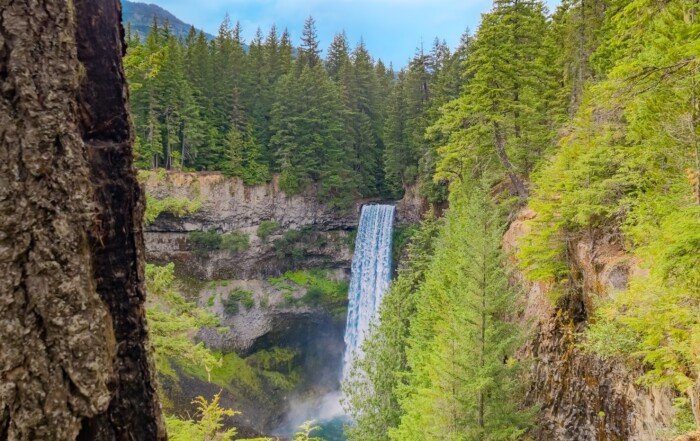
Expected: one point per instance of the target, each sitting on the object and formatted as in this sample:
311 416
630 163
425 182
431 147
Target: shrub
294 245
267 228
320 289
205 241
234 242
314 295
236 298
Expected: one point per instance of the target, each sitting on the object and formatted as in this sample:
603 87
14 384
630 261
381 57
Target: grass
177 206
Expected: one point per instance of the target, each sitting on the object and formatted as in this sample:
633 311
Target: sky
392 30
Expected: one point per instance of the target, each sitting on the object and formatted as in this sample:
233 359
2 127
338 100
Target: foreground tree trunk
74 358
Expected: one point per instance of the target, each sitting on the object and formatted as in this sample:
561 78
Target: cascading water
371 274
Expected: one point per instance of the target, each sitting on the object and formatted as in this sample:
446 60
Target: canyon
580 396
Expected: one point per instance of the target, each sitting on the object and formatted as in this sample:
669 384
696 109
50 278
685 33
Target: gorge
310 248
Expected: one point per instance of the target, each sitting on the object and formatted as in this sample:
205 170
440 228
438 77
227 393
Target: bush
294 245
320 289
314 295
234 242
205 241
236 298
267 228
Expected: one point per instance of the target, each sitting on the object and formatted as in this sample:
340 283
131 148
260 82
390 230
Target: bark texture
74 359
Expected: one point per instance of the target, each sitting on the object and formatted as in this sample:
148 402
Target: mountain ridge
140 16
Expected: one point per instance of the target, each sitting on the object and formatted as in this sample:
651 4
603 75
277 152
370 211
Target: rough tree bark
74 358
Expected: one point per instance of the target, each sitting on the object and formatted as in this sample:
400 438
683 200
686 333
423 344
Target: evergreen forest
337 118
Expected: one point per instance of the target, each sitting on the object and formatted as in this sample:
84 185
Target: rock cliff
583 397
322 235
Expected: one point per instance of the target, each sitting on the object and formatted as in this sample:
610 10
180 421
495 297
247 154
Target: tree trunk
74 358
518 185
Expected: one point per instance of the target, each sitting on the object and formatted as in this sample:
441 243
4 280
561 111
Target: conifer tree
309 52
338 55
502 116
286 51
463 382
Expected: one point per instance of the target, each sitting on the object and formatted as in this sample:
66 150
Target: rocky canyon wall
321 236
583 397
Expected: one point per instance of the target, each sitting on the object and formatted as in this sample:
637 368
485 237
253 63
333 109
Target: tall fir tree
463 382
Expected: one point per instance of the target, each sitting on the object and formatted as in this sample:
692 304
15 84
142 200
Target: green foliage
503 119
628 163
177 206
235 242
401 238
248 113
205 240
305 431
236 298
348 126
244 158
211 240
267 228
320 289
209 426
277 367
460 338
171 319
295 245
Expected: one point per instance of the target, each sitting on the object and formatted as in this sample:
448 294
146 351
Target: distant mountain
140 16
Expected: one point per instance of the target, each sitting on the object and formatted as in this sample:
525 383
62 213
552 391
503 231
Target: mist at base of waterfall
326 412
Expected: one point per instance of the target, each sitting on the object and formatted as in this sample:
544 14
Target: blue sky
391 29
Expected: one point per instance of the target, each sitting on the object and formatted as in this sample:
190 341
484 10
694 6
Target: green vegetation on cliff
319 290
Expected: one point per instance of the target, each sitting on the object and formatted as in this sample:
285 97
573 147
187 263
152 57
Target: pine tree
502 116
338 55
309 52
286 51
463 382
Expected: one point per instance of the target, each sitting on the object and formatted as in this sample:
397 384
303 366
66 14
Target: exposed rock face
581 396
228 205
272 320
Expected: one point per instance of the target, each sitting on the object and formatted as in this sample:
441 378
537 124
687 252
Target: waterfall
371 274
